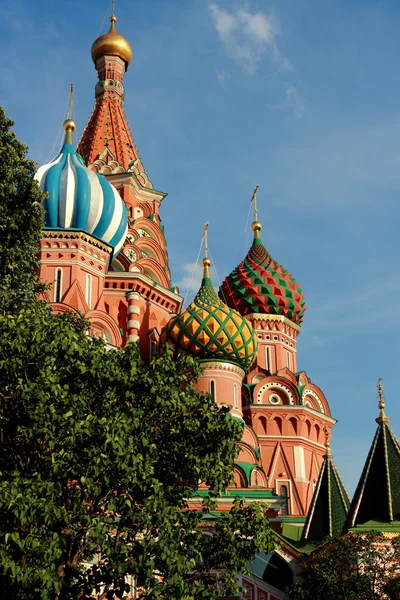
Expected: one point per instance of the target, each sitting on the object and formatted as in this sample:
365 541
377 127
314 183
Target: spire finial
113 17
256 225
71 100
383 418
206 261
328 452
69 124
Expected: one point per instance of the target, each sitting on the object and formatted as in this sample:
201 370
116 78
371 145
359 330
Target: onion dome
211 331
261 285
80 199
112 44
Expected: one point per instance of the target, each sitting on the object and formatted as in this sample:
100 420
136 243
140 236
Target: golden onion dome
112 44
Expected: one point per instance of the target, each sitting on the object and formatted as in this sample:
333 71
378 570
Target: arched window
268 362
153 348
263 423
58 286
212 389
283 492
88 292
277 426
288 359
235 396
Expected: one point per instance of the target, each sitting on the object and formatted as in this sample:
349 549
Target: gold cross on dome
254 200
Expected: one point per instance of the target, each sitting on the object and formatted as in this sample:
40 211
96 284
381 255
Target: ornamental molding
68 234
297 407
275 385
259 317
308 392
223 366
109 85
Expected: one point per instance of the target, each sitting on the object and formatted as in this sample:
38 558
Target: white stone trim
275 384
308 392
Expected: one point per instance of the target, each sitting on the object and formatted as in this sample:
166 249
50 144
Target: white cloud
190 280
247 36
222 75
293 102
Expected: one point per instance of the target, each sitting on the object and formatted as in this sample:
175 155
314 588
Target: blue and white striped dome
80 199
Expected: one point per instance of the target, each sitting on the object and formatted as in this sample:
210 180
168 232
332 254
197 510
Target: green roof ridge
377 496
329 505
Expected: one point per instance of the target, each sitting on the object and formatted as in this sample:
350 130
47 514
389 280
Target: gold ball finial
206 262
112 44
69 125
256 226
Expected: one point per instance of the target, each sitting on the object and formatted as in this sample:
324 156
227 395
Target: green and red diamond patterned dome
261 285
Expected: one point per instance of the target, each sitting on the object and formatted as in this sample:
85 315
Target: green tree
98 456
352 567
21 219
99 452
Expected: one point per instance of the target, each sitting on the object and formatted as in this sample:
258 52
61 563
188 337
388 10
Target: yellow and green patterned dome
209 330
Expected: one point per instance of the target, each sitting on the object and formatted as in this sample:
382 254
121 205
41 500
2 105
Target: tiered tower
287 412
135 294
225 344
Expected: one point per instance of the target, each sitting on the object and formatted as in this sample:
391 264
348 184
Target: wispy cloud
190 279
293 102
247 36
222 76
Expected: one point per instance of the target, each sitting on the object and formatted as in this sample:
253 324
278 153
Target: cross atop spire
69 123
383 418
71 101
206 261
256 225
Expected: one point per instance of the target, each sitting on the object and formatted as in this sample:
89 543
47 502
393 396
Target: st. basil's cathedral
103 250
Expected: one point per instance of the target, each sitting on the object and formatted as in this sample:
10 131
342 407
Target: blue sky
299 96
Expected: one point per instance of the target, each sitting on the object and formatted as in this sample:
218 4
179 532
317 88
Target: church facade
104 252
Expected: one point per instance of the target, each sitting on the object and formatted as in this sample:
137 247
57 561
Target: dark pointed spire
377 497
330 503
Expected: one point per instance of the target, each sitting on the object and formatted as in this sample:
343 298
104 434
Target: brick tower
135 296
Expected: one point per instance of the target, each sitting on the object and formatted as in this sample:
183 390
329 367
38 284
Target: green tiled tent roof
261 285
377 497
329 506
209 330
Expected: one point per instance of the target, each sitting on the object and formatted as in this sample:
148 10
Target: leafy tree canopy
353 567
99 452
21 219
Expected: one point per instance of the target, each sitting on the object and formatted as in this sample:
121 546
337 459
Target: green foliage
352 567
21 219
99 455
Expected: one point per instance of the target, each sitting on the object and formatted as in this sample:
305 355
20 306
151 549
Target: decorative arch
262 421
104 320
283 386
292 426
276 426
279 387
314 396
239 477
